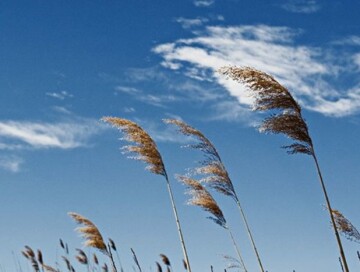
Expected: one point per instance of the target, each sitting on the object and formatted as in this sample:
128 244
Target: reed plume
92 236
202 198
29 254
135 259
345 227
145 149
216 175
112 246
286 118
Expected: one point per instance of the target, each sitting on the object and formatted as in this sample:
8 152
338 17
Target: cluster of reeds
285 118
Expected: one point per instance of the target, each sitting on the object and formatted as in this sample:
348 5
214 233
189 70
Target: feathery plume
270 95
30 255
81 257
217 176
144 148
89 232
202 198
345 227
165 259
215 172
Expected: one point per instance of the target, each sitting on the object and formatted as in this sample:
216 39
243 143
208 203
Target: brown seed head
89 232
145 148
165 259
270 95
345 227
216 175
202 198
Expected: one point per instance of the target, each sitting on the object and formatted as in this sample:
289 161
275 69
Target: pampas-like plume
81 257
215 172
30 255
202 198
270 95
89 232
165 259
146 150
345 227
92 236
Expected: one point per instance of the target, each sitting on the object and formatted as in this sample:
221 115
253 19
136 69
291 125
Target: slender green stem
236 249
342 254
178 223
249 233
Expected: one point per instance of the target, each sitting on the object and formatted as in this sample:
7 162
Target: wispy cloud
203 3
10 163
189 23
302 6
309 72
60 95
161 132
149 97
63 135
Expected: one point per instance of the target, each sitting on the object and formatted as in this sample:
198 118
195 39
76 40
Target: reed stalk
202 198
146 150
218 178
270 95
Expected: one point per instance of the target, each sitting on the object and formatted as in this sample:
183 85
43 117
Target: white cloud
61 95
356 59
305 70
127 89
63 135
189 23
11 163
203 3
301 6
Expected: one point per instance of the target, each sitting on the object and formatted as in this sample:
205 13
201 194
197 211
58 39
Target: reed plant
285 118
145 149
92 236
202 198
216 175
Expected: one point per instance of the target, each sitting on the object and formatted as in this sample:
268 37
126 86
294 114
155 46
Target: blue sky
65 64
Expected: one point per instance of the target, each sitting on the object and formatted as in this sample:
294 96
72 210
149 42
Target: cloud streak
307 71
63 135
10 163
302 6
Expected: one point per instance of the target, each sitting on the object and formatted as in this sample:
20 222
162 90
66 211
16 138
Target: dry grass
270 95
202 198
144 148
345 227
89 232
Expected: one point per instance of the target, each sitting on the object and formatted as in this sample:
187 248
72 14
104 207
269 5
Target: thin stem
111 259
249 233
118 257
237 249
342 254
178 223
